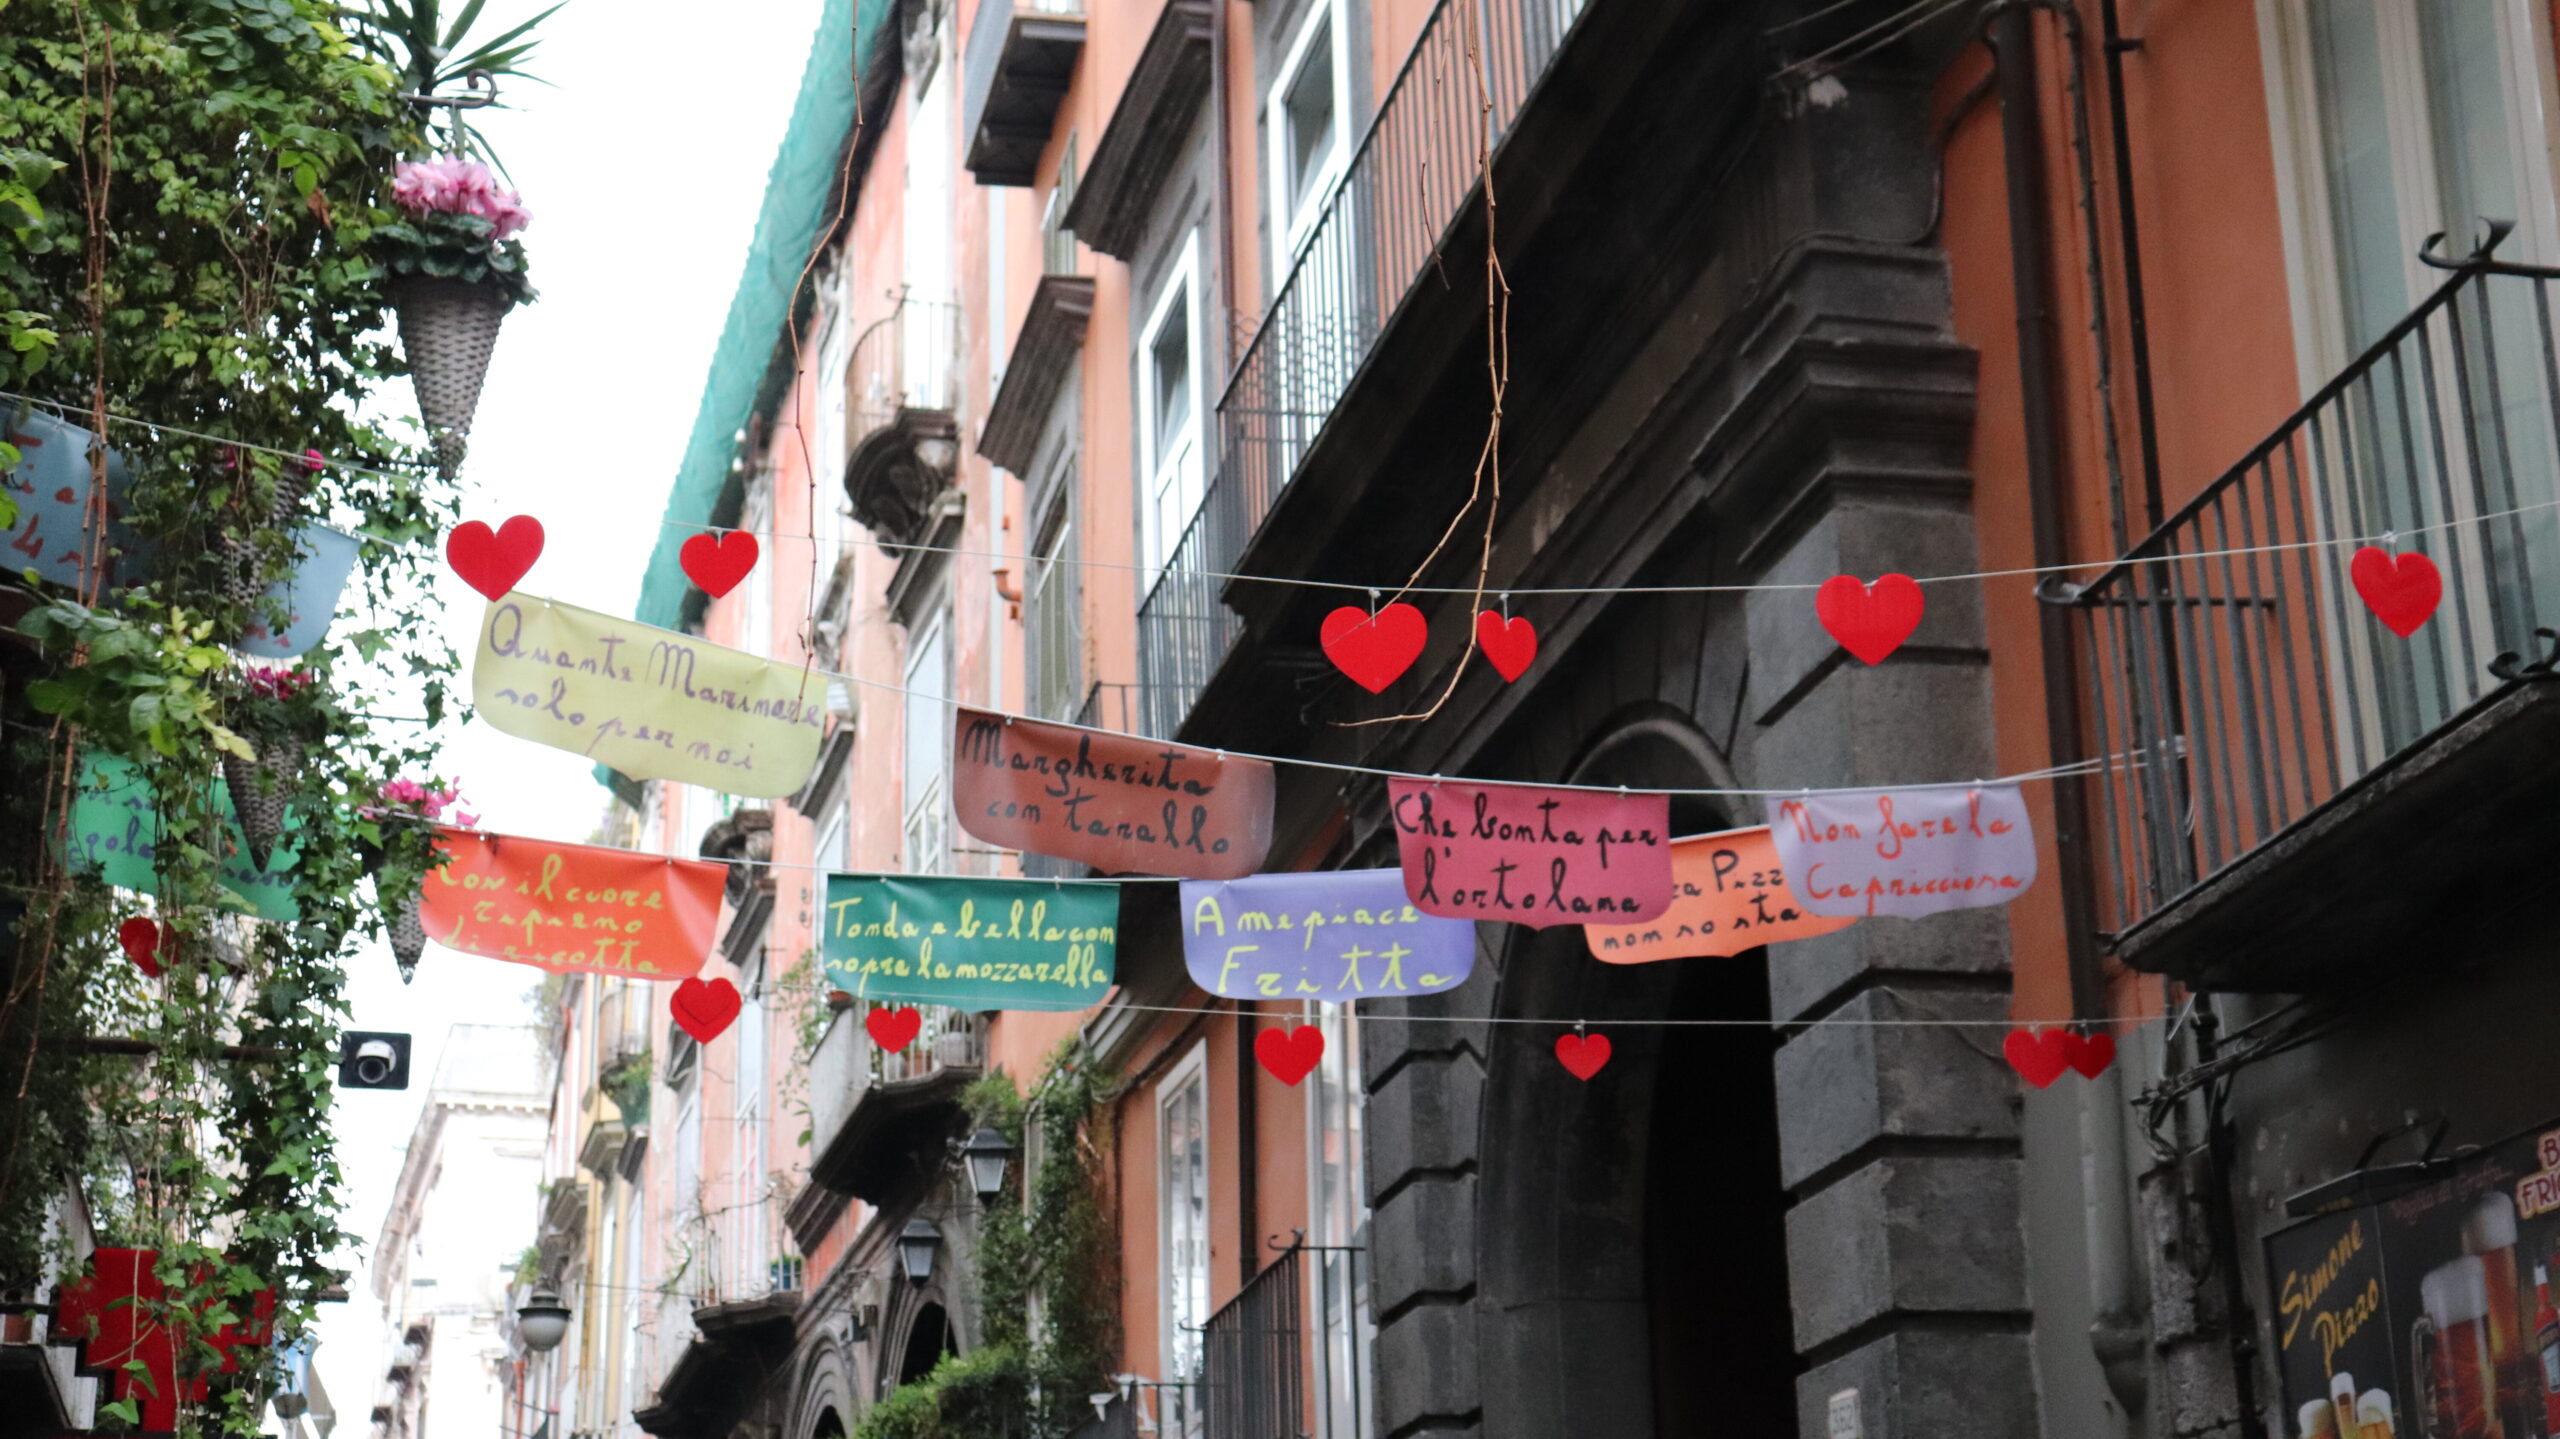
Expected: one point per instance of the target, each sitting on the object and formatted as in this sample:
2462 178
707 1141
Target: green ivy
189 191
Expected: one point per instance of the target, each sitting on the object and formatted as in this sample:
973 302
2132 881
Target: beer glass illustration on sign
2452 1377
2489 1235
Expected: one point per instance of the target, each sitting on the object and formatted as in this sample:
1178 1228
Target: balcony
1020 59
905 377
1410 181
2303 798
870 1112
744 1276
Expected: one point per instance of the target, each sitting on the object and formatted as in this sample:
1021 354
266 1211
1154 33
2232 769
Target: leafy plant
626 1082
430 57
460 226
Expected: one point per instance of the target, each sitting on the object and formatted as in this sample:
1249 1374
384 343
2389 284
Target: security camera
373 1061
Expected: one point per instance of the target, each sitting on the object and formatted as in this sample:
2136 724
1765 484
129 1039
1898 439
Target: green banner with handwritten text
971 943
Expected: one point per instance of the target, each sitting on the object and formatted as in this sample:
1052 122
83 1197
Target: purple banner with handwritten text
1857 852
1326 935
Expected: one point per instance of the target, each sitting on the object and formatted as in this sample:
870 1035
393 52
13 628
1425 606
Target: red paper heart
141 940
2039 1058
1374 649
1869 621
2401 590
1582 1055
1512 644
718 562
1290 1054
2090 1054
705 1010
893 1029
492 562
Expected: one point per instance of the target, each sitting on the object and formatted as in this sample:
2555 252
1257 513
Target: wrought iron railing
1253 1358
948 1039
1461 88
2238 680
739 1254
907 360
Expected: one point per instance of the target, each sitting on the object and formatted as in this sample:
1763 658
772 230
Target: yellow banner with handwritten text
651 703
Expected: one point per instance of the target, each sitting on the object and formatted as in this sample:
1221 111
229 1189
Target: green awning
796 197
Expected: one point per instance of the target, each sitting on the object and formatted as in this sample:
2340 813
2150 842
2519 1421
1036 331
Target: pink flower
313 461
456 186
275 681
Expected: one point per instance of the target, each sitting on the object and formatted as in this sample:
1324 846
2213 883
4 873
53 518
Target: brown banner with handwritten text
1121 804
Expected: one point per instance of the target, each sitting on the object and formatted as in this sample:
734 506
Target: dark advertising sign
2428 1316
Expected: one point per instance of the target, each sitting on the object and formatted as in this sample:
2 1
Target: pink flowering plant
427 801
458 223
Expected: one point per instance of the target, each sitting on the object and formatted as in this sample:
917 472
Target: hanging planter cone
409 937
257 793
447 330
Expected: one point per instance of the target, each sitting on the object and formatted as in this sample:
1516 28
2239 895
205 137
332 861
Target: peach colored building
1088 358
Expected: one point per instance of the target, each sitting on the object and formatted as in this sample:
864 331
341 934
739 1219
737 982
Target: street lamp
987 1154
542 1321
916 1244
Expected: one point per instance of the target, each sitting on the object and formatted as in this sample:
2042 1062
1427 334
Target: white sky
643 164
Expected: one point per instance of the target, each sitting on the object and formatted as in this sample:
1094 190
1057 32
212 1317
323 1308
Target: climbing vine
1047 1289
189 191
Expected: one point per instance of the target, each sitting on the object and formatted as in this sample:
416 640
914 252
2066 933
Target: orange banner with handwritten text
573 907
1728 895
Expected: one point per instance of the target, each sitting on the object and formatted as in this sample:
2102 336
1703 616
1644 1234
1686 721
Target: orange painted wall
2221 342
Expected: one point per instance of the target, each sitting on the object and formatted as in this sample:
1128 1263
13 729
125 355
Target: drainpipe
2012 38
2129 242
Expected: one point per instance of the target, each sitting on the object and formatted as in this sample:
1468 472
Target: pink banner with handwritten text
1857 852
1530 854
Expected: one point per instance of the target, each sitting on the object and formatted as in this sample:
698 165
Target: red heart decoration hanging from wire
2039 1057
1583 1055
705 1009
2401 590
1869 620
717 562
140 937
1510 643
1290 1054
893 1029
1374 649
492 561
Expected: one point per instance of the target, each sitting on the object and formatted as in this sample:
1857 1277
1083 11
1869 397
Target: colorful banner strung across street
572 908
1729 894
115 834
1532 855
1857 852
1123 805
649 702
309 596
51 485
1325 935
971 943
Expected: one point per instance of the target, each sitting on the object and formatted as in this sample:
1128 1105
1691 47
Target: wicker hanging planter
409 936
257 791
448 329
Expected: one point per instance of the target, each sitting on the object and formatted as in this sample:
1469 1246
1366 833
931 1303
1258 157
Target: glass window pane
1169 356
2355 143
1308 111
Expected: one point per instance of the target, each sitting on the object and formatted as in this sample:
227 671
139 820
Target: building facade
441 1272
1087 360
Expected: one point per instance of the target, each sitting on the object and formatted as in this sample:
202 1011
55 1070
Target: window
1051 599
2400 119
1338 1180
1182 1136
748 1225
828 438
928 738
1308 134
1057 242
1169 414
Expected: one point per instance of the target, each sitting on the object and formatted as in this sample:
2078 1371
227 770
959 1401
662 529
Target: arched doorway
1631 1230
928 1339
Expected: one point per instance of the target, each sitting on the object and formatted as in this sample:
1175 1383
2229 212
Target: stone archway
1631 1245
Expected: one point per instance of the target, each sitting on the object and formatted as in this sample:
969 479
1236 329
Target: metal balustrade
2235 675
739 1254
1253 1358
907 360
1460 90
